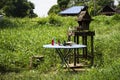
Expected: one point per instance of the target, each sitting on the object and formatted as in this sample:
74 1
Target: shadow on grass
5 69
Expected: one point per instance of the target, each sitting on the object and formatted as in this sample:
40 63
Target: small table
61 54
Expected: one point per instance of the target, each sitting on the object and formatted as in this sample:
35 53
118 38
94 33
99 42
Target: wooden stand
84 35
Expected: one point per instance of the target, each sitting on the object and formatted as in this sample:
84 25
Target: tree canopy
17 8
63 3
54 9
94 5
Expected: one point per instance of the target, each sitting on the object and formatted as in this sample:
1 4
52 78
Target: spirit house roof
75 10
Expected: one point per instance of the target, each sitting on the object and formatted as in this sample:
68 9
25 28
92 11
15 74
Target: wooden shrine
83 34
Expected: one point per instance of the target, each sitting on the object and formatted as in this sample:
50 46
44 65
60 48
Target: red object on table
52 41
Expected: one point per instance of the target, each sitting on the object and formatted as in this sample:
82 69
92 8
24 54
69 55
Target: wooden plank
86 33
80 65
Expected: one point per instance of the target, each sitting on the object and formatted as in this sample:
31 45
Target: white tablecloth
56 46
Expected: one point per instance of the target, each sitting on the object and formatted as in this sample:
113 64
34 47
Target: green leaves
18 8
63 3
18 44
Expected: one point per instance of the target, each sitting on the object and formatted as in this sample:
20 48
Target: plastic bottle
52 42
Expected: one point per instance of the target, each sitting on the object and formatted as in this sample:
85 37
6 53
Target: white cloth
56 46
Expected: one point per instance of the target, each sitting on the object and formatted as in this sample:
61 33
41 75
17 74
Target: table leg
62 57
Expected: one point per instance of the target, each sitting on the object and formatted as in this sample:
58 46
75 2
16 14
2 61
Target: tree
78 2
18 8
63 4
94 5
2 3
54 9
104 2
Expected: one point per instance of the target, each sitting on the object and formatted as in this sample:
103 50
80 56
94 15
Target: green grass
22 38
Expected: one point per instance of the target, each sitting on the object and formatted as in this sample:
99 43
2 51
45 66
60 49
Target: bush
55 20
116 17
43 21
6 22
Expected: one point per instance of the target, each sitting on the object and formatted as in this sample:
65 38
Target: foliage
94 5
63 4
54 10
5 23
43 21
116 17
18 8
55 20
104 2
2 3
23 38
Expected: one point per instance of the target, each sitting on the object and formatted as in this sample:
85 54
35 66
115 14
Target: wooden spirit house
81 35
84 20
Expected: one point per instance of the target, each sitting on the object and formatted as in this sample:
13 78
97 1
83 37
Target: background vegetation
17 8
94 5
22 38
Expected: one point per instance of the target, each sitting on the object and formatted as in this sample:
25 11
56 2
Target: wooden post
92 50
85 47
84 35
75 52
83 42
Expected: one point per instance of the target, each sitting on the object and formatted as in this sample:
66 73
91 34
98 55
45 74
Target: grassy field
22 38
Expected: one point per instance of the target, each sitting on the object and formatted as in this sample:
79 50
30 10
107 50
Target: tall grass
22 38
20 42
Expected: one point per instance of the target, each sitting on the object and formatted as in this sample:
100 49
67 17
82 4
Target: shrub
43 21
116 17
6 22
55 20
